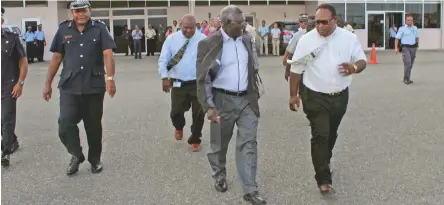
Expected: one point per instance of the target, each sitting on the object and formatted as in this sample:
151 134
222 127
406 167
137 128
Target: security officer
14 70
40 43
85 47
29 38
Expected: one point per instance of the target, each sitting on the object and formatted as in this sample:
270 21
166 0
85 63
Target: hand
284 62
294 103
166 85
47 92
213 115
396 50
346 69
287 74
17 90
111 87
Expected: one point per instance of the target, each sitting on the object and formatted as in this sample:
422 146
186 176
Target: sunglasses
323 22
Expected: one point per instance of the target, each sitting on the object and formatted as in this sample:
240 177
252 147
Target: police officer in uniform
85 47
14 70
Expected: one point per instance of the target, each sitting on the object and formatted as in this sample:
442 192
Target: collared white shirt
233 73
322 73
150 33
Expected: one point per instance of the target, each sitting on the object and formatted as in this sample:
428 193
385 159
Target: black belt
184 83
334 93
409 46
242 93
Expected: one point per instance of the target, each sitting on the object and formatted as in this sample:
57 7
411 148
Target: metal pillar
191 6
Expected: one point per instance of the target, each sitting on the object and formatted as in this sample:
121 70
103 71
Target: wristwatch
110 78
356 68
21 82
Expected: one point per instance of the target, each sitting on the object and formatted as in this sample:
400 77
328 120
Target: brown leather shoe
326 189
178 134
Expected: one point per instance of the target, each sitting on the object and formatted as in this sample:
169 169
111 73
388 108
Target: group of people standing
35 43
133 39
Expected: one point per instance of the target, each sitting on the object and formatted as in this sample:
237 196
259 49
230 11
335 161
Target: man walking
177 68
328 56
409 37
85 47
14 70
229 94
41 43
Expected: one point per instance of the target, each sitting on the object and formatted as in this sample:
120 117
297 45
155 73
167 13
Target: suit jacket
209 50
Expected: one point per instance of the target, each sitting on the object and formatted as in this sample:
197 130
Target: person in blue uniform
29 38
14 70
85 47
40 43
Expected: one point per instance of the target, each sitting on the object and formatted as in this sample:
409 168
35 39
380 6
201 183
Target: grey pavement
389 152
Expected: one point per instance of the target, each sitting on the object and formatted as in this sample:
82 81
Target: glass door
141 24
376 29
159 24
121 42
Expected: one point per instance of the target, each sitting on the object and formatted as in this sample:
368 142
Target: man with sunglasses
406 42
328 56
85 47
228 92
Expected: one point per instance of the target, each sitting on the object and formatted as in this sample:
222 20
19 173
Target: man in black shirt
14 70
83 44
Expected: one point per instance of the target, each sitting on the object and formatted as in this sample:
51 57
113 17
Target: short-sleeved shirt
83 64
264 30
294 41
275 32
12 52
408 35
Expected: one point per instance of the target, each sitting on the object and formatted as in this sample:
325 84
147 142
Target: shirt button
81 44
7 42
81 56
81 67
6 50
81 33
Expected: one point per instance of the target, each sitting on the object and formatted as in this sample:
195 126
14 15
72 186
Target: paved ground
389 152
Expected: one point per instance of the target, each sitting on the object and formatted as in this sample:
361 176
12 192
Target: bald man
177 68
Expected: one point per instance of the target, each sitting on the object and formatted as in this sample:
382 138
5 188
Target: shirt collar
226 37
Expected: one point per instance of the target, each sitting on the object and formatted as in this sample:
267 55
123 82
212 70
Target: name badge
177 84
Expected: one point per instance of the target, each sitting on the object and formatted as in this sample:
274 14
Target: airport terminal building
371 19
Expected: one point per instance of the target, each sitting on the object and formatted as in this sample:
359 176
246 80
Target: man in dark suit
227 91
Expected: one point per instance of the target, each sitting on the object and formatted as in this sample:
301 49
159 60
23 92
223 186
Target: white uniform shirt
322 73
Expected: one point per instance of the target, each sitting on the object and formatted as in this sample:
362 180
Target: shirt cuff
164 74
298 68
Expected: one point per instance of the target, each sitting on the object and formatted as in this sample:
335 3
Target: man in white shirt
150 35
263 33
327 68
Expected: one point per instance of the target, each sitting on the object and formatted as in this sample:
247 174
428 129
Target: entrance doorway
376 29
118 25
392 18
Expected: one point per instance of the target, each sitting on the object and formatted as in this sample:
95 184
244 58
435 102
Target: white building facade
371 19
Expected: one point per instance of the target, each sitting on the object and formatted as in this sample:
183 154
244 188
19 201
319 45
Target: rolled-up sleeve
399 34
165 56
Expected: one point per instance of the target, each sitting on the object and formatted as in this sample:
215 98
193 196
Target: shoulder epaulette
63 22
99 21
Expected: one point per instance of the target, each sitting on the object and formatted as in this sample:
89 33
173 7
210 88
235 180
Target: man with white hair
227 89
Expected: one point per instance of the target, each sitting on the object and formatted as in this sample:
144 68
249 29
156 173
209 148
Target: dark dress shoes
96 168
326 189
5 160
254 198
15 146
221 185
74 165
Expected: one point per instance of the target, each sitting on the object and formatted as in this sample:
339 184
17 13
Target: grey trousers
234 110
408 57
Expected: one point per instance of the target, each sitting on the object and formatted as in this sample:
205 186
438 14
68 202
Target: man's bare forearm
361 64
23 68
295 80
109 62
396 43
53 67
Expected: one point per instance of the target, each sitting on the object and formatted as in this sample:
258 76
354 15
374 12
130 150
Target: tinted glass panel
100 4
432 16
235 2
136 3
128 12
119 4
340 12
155 12
95 13
295 2
35 3
416 11
12 4
178 3
201 3
273 2
385 7
154 3
218 2
356 15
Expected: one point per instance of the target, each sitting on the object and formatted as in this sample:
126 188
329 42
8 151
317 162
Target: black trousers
40 50
150 46
325 113
129 44
30 51
182 99
73 109
9 108
392 42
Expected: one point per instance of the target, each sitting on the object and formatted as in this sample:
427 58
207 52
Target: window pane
178 3
156 3
258 2
119 4
201 3
100 4
432 16
95 13
416 11
12 4
274 2
219 2
356 15
236 2
156 12
29 3
136 3
128 12
296 2
340 12
385 7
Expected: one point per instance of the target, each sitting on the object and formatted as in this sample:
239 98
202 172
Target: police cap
80 4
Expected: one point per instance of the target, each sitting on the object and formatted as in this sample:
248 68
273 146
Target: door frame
28 19
128 20
389 26
366 26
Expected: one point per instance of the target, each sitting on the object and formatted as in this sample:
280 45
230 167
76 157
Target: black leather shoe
5 160
96 168
254 198
221 185
15 146
74 165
